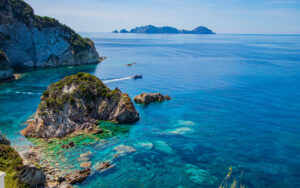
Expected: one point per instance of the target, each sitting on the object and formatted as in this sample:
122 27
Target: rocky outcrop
78 176
32 176
6 72
150 29
18 173
33 41
147 98
77 103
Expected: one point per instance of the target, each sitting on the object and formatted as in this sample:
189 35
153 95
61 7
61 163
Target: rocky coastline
30 40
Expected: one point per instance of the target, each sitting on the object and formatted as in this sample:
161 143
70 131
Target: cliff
6 72
76 103
150 29
33 41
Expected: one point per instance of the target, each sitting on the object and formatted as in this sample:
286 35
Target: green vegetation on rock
11 163
86 87
25 14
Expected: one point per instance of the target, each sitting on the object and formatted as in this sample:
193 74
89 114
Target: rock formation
33 41
76 103
18 173
150 29
147 98
6 72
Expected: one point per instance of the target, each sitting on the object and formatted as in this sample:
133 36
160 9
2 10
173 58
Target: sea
234 117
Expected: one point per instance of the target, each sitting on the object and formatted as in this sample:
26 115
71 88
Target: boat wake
21 92
117 79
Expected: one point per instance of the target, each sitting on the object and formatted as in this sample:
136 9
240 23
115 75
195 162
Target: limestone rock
33 41
77 103
78 176
147 98
86 164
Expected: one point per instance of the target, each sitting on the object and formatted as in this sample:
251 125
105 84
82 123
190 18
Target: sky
222 16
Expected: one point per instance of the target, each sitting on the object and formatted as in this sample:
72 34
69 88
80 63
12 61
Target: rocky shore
147 98
76 104
19 173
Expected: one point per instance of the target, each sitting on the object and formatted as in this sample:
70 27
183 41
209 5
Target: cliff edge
33 41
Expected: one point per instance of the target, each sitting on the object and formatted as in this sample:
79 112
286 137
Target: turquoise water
235 102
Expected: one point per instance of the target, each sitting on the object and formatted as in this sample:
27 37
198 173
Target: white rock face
32 41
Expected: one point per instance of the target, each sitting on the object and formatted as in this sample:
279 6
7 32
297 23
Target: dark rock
69 145
4 140
147 98
32 176
115 31
77 103
78 176
61 179
6 72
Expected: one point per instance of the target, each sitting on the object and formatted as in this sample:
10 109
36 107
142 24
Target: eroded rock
78 176
77 103
147 98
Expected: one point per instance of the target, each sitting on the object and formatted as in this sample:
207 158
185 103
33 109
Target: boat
137 76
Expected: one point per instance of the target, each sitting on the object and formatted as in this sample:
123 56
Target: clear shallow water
236 102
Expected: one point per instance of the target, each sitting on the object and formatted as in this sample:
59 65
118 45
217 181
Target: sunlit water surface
235 102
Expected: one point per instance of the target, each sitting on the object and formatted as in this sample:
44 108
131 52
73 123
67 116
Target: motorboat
137 76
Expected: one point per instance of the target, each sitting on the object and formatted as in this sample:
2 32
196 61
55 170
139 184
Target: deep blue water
235 102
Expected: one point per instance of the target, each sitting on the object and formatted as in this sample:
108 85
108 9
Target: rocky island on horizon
150 29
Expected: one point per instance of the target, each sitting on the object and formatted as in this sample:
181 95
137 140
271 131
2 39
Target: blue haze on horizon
230 16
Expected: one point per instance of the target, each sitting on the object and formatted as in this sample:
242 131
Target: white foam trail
116 80
22 92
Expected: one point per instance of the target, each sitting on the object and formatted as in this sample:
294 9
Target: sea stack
77 103
33 41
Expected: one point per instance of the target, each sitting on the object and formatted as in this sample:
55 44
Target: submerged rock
163 147
123 150
77 103
146 98
181 130
6 72
199 176
34 41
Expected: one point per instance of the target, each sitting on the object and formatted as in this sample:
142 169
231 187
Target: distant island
150 29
